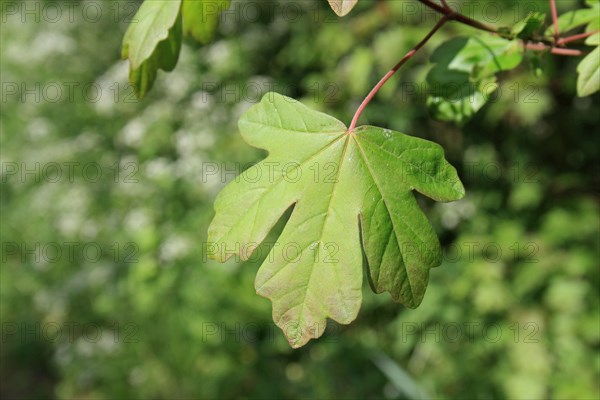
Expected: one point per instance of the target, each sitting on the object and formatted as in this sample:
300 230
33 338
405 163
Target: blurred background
106 291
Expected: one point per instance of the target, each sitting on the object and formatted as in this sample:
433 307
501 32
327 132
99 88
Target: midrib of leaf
378 186
307 286
312 265
393 231
387 245
397 270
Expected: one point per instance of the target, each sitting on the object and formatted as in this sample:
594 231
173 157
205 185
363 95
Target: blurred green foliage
511 313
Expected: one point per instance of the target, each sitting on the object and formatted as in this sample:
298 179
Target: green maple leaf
346 188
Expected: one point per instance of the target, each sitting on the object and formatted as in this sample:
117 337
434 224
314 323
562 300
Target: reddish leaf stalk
554 19
574 38
391 72
553 50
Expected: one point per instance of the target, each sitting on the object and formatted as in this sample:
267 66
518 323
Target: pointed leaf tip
342 7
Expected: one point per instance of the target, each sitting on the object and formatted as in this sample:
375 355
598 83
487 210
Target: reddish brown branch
454 16
448 14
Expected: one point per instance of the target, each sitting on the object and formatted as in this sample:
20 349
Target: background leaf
593 26
152 42
573 19
201 17
588 81
462 78
530 25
